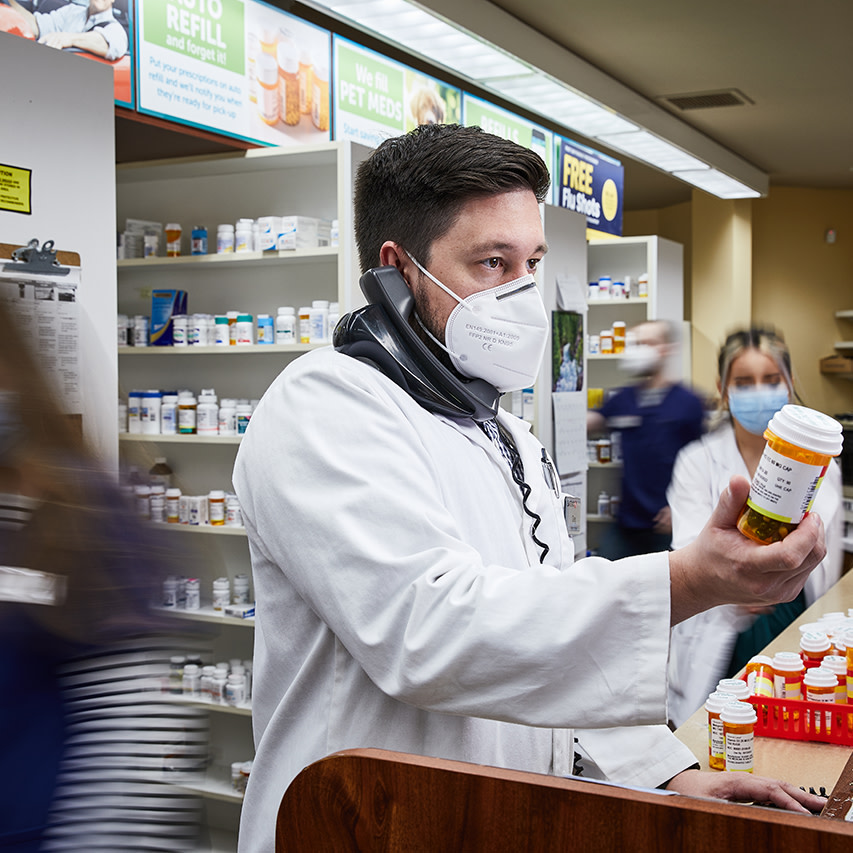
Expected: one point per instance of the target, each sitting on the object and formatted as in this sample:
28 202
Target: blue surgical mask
753 406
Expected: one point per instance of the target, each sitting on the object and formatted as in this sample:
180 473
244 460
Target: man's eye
492 263
533 263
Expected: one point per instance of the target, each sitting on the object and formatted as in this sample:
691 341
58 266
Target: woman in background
78 574
755 381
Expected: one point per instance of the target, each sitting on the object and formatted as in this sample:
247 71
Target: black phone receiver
380 333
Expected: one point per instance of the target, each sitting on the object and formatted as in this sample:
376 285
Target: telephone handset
380 333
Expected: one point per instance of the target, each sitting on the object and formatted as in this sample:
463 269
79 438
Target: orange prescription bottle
819 684
814 647
715 703
838 665
173 240
605 339
847 637
788 669
759 675
739 720
800 445
735 687
619 336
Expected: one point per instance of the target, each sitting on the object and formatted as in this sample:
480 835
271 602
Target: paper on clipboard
46 310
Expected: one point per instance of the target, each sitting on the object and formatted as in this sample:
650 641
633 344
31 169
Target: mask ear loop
448 291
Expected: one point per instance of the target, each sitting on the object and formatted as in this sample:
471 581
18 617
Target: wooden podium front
372 800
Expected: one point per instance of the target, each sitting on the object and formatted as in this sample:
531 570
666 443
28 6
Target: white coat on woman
702 646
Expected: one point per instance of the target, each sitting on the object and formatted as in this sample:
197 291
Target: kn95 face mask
498 335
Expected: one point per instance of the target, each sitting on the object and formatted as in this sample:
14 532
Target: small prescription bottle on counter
735 687
714 704
819 686
837 664
759 675
814 647
739 719
788 669
800 445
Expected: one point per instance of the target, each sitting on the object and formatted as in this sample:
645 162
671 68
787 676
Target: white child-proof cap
807 428
738 713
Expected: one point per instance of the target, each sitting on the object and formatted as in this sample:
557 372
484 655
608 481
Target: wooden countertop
799 762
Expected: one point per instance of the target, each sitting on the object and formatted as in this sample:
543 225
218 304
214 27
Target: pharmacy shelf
844 315
203 528
599 518
244 710
604 356
159 438
613 465
232 260
845 346
246 349
207 614
624 300
208 785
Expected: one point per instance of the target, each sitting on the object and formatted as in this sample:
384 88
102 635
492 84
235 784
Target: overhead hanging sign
501 122
592 184
376 98
238 67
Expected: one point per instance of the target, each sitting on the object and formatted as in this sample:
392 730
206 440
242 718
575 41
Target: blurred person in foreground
755 380
655 417
76 579
416 583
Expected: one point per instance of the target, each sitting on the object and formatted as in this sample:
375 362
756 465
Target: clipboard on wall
38 287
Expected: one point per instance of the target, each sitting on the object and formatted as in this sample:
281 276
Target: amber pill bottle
800 445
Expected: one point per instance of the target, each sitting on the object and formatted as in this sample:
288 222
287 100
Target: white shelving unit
663 260
307 181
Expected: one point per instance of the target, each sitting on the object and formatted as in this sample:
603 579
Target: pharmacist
416 584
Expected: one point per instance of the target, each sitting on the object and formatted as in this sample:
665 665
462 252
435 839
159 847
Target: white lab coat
402 604
702 646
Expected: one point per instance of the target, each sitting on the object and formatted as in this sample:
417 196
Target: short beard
429 320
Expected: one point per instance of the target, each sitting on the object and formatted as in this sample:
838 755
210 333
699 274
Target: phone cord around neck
503 440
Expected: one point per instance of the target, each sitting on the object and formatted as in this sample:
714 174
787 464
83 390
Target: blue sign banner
591 183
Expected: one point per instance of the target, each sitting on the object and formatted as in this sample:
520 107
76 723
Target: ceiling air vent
707 100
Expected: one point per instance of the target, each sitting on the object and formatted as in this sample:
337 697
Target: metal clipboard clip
32 259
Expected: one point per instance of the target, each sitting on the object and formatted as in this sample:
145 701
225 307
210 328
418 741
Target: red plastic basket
792 719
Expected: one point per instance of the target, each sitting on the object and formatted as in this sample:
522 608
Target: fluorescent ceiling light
442 43
643 145
717 184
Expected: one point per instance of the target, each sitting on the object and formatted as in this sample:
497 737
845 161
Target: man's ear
394 255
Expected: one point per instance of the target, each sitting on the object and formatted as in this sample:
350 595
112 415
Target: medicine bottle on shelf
216 508
605 338
207 413
173 240
800 445
618 336
739 719
285 325
225 239
715 703
173 506
187 412
160 474
304 325
198 246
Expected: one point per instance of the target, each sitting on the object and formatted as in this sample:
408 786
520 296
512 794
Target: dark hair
412 187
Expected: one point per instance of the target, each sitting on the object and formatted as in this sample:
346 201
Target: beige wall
800 280
766 261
